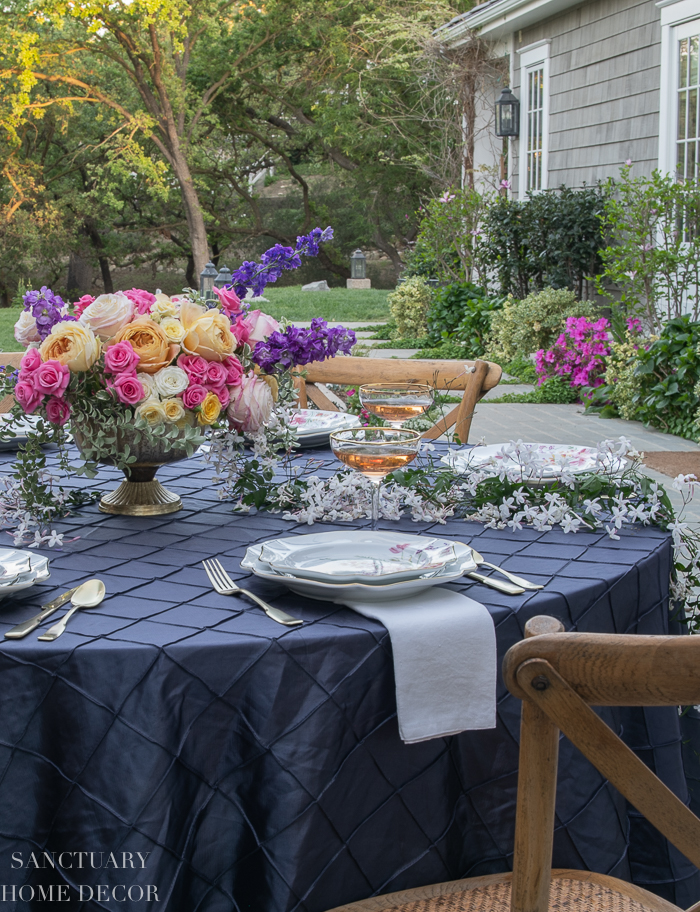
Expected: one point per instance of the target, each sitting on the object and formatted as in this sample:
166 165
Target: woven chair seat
569 893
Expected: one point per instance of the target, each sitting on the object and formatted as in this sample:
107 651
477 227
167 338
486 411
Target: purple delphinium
275 261
47 309
297 345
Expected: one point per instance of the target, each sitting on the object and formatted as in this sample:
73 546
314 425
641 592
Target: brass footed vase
140 494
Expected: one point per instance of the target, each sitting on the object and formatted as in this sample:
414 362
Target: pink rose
57 410
80 306
129 389
143 300
216 373
196 368
31 361
194 395
234 370
251 404
229 300
27 396
241 329
261 325
223 395
120 358
51 378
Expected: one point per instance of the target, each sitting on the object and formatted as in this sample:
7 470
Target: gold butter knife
21 630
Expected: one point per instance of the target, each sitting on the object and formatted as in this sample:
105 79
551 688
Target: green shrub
409 307
552 391
523 327
461 312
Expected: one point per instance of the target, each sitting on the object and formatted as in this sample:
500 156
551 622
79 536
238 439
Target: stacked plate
20 570
314 426
359 566
548 460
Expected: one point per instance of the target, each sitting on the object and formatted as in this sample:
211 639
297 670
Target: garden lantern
358 265
224 278
507 114
206 281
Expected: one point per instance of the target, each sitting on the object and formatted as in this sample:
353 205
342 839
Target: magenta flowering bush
578 356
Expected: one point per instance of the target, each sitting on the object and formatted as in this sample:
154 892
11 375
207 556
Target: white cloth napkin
444 647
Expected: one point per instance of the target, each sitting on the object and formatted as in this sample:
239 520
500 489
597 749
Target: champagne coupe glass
376 451
396 402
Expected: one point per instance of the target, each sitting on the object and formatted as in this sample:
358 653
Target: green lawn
338 304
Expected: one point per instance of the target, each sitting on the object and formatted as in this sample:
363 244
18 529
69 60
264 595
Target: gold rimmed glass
396 402
375 451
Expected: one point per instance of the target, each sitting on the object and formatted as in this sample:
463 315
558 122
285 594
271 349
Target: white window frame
679 19
532 57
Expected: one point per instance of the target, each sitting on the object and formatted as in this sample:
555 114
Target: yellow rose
151 411
163 308
208 332
174 410
71 344
210 409
173 329
150 343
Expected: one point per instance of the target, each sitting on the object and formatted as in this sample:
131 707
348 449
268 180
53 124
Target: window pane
682 99
690 166
683 63
680 161
693 80
692 114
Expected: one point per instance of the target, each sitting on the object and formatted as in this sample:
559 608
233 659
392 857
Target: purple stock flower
297 345
47 308
275 261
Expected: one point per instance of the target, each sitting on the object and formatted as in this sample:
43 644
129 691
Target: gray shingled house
599 82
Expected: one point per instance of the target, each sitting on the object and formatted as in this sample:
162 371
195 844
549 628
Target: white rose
151 411
163 308
173 329
26 330
148 383
169 381
174 410
251 404
108 314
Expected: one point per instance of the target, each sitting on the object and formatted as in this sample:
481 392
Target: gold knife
21 630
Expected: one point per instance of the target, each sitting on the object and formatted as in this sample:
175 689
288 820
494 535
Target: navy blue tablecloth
256 767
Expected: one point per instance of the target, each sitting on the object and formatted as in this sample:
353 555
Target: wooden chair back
474 378
13 359
558 676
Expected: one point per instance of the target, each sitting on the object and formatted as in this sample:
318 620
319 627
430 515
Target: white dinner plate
38 572
552 459
314 426
360 592
360 557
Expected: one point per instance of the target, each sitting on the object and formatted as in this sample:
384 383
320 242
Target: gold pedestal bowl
140 494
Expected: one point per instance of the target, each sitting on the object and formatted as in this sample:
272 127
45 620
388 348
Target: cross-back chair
13 359
475 378
559 676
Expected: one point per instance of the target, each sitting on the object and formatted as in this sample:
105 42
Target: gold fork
224 585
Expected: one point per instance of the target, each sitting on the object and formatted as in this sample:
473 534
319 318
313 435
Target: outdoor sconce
206 281
507 114
358 265
224 278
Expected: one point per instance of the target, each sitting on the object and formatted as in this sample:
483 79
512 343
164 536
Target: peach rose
71 344
208 332
150 343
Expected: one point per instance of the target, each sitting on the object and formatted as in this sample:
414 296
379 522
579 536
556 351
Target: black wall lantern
507 114
206 281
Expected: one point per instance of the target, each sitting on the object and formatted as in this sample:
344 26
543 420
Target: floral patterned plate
533 460
313 426
360 557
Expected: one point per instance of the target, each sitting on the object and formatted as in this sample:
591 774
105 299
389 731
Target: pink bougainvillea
578 355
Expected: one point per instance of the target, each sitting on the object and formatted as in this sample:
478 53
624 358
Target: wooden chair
474 377
558 676
12 358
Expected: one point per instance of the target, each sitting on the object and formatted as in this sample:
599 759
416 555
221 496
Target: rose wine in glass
396 402
376 452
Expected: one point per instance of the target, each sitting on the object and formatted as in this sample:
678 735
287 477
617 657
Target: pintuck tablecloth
178 741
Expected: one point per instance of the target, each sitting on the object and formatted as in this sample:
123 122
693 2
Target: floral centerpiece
139 377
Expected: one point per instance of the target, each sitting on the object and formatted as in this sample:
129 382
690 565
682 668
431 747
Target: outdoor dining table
182 744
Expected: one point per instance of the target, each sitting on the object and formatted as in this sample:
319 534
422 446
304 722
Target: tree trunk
98 244
189 274
193 211
79 279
